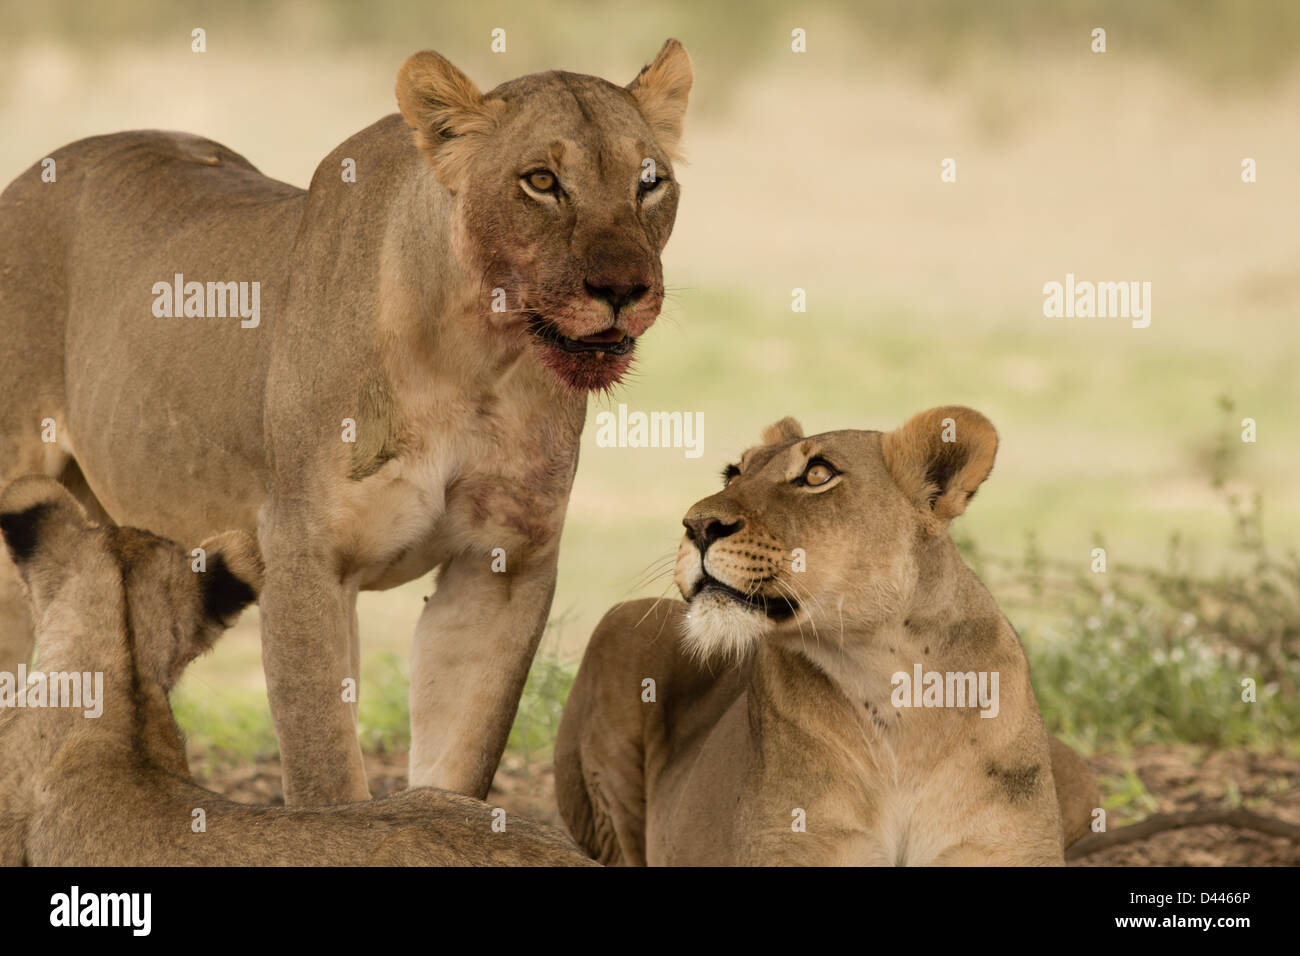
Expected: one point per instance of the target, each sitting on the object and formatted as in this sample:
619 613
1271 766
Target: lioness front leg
473 646
307 653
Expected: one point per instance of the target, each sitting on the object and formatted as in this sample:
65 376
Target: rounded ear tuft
233 578
433 94
442 104
32 510
662 90
940 457
787 429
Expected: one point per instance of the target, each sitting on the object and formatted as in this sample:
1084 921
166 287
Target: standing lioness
776 716
93 769
382 375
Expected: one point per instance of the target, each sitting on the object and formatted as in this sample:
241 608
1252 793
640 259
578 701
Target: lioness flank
381 375
838 688
113 787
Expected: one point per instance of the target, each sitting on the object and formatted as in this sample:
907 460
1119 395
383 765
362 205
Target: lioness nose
704 531
616 293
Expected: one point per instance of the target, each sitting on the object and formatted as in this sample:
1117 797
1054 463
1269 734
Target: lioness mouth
610 341
776 608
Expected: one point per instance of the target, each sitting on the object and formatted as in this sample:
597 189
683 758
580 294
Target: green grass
1152 654
384 715
1127 794
226 726
1120 673
233 725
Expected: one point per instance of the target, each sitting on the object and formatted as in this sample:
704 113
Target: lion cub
102 778
838 688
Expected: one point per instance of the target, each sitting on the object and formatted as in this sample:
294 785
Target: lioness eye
818 473
647 188
542 180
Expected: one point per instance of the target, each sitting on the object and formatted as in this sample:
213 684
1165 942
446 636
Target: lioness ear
940 458
662 90
42 525
230 581
443 105
233 578
787 429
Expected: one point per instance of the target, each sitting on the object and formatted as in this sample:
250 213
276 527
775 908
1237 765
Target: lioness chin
772 718
407 394
123 611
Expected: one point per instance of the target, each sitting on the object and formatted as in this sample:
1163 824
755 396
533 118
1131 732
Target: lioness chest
822 785
894 800
489 480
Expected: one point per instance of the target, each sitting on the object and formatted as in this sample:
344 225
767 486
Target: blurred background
821 171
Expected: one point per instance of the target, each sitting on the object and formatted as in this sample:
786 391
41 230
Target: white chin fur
717 628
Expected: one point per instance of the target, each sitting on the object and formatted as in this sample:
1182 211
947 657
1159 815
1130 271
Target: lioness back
131 211
125 818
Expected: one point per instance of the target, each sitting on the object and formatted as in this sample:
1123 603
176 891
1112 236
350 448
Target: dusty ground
1177 778
1187 778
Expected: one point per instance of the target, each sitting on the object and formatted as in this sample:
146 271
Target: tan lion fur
704 732
381 305
115 790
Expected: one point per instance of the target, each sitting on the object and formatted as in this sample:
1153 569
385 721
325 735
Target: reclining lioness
106 782
776 716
